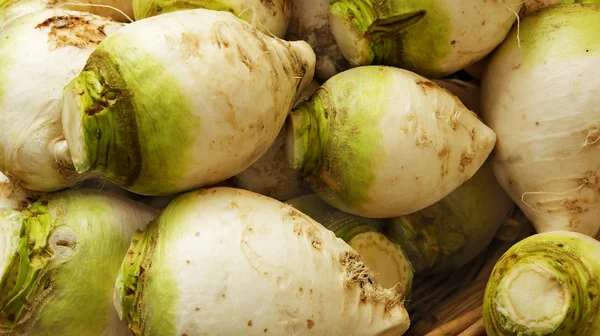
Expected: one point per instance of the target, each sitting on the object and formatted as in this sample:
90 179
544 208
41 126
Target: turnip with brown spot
150 114
382 142
39 54
541 99
225 261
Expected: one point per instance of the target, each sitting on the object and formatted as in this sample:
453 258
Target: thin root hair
96 5
548 193
518 19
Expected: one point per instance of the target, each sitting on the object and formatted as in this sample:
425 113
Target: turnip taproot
150 114
382 142
225 261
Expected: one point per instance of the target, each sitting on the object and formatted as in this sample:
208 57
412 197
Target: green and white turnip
433 38
182 100
541 99
546 284
225 261
59 260
382 142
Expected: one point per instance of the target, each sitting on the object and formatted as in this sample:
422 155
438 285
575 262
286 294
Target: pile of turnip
295 167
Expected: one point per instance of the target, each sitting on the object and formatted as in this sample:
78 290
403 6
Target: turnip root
39 54
59 260
382 142
433 38
309 22
270 17
225 261
541 98
150 114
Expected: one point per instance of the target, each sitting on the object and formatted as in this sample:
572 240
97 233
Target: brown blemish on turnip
73 31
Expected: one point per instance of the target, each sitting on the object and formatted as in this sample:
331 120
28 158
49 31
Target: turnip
225 261
150 113
542 101
59 260
433 38
546 284
386 259
39 54
382 142
272 175
309 22
270 17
